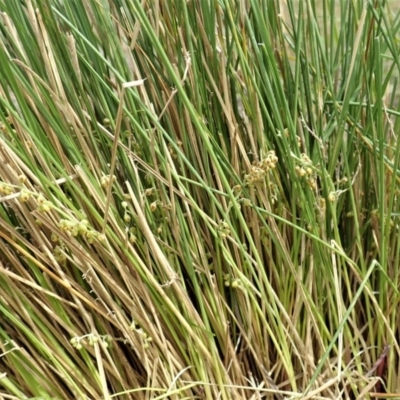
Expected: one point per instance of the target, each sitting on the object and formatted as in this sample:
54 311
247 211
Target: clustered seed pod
260 169
46 206
145 338
106 180
59 254
305 170
256 175
24 195
90 340
269 162
6 189
229 282
223 229
332 197
149 192
75 228
41 199
22 179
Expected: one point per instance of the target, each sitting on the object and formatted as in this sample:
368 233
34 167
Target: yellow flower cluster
234 283
6 189
260 169
223 229
25 195
106 180
75 228
305 170
91 340
43 204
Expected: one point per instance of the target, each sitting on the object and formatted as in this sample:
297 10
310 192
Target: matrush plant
199 199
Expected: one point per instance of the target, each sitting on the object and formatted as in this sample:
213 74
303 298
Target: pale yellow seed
101 237
24 196
331 197
45 207
8 190
22 179
235 283
132 239
41 199
104 181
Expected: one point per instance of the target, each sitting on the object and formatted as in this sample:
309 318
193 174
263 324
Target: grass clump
199 199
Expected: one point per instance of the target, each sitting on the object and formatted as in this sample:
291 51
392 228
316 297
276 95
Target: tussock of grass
199 199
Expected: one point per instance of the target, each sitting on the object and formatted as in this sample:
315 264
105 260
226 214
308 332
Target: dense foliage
199 199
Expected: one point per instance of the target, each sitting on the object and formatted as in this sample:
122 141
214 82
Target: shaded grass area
199 199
